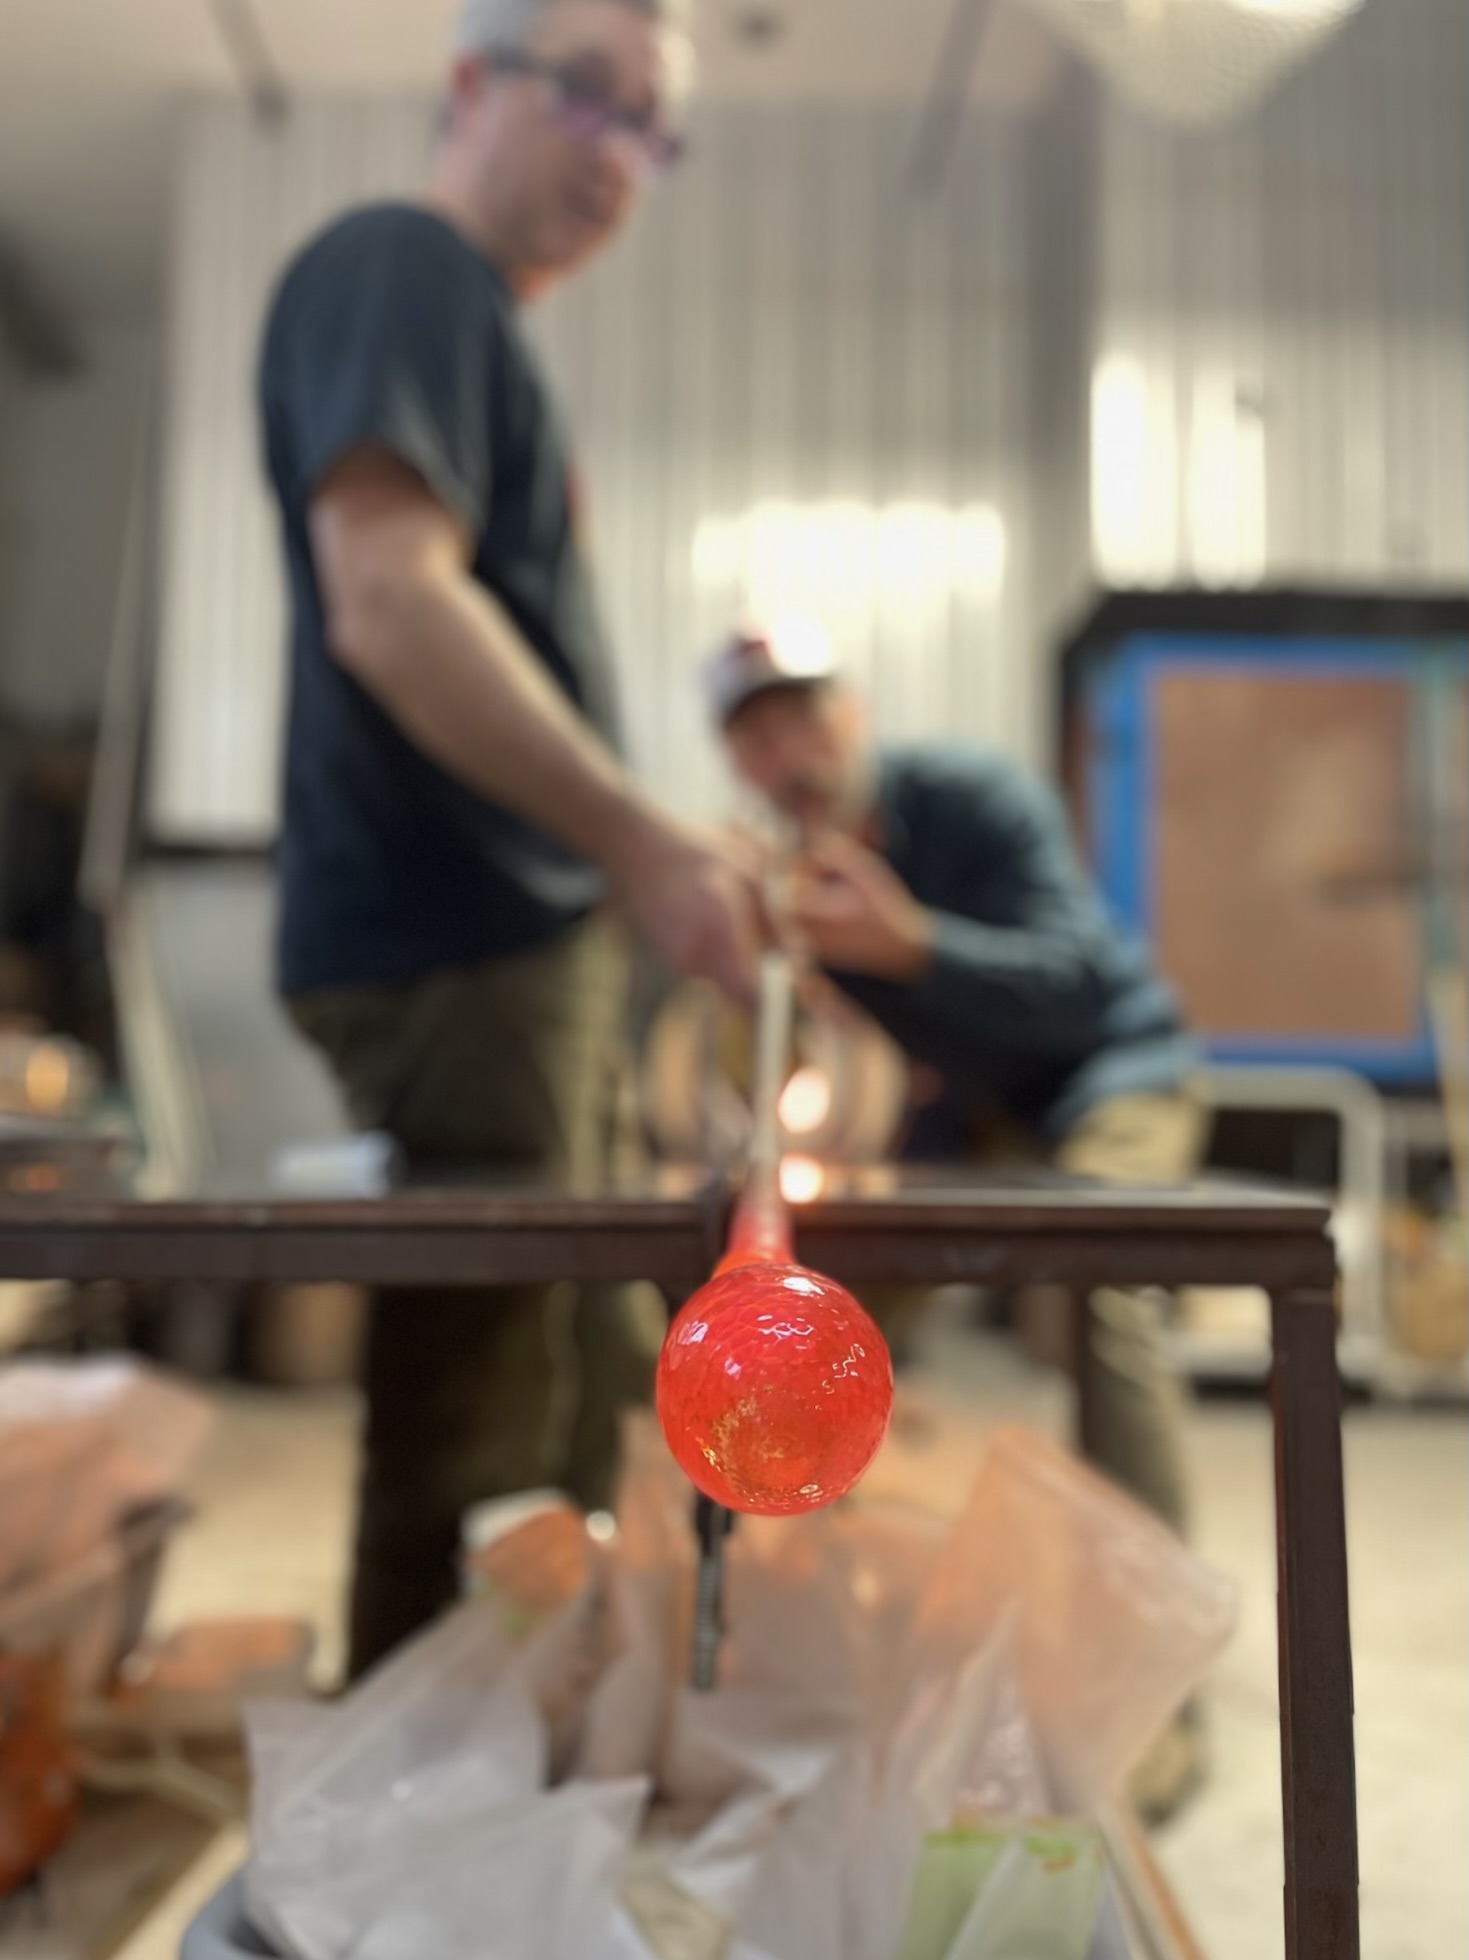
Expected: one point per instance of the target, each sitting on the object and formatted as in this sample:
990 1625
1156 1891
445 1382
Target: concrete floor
274 1496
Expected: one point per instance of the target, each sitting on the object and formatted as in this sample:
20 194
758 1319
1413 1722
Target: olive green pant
472 1393
1138 1407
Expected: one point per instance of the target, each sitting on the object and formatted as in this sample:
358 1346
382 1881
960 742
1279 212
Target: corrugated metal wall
1281 385
244 198
795 386
802 391
791 387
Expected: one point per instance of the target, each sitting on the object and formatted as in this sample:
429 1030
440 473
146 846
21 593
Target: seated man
937 887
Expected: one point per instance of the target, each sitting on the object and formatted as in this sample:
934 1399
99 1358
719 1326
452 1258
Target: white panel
794 330
245 199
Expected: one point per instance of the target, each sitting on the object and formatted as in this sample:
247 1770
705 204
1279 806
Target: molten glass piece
760 1236
774 1389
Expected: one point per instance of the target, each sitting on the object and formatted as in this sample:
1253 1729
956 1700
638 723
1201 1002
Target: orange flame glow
805 1102
801 1180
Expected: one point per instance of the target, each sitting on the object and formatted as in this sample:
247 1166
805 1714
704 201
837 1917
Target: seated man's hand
851 911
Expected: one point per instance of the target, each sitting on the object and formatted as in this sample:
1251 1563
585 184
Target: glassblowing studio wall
1100 348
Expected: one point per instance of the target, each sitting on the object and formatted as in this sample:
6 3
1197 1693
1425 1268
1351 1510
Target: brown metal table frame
934 1229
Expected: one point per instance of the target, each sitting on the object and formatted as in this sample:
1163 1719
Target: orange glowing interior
801 1180
805 1102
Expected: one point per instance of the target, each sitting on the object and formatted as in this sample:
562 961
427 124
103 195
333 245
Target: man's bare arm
444 660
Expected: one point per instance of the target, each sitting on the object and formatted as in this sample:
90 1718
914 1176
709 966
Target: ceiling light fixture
1197 62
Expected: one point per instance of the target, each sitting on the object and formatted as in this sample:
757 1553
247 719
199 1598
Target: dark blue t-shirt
1035 1004
391 331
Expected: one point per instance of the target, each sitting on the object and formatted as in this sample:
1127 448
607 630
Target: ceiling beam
256 68
948 92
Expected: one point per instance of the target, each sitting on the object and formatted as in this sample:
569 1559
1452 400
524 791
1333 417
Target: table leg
1084 1373
1318 1775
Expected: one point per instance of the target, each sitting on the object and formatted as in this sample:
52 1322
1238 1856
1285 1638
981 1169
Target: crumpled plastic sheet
913 1723
83 1443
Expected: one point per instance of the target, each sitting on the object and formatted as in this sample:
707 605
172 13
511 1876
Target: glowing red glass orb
774 1389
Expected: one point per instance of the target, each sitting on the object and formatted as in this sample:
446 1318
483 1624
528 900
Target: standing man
456 818
938 888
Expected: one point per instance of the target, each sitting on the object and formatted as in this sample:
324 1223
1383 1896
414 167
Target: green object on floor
1010 1891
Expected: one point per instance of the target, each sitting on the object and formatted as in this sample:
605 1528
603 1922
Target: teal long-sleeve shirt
1035 1004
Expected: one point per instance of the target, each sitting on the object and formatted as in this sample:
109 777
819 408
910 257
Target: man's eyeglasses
588 113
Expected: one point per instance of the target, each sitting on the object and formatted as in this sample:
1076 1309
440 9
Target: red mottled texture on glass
774 1389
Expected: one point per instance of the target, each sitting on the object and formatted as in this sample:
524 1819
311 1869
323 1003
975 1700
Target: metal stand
712 1524
761 1208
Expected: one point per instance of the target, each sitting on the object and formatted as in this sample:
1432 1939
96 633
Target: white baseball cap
792 652
486 24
